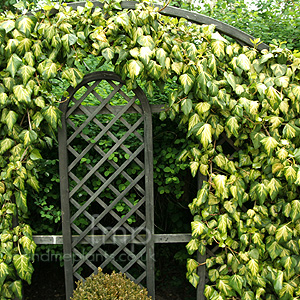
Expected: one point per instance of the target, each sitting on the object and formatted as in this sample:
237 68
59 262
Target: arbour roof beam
194 17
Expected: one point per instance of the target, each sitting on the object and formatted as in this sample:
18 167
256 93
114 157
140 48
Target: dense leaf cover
248 205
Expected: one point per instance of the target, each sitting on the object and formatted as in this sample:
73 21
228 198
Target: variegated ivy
249 204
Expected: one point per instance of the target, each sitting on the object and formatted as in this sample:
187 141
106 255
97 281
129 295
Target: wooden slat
90 239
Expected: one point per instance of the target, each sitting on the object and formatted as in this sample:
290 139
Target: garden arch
67 239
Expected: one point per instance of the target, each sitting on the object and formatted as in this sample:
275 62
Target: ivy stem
30 127
266 130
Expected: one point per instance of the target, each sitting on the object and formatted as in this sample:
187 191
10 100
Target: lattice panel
105 145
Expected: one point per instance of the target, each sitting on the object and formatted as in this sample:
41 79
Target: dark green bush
109 287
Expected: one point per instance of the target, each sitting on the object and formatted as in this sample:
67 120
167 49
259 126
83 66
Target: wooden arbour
70 240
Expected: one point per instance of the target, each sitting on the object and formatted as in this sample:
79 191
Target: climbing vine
248 205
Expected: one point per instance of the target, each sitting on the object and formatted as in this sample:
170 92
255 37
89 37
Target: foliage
267 20
109 286
248 205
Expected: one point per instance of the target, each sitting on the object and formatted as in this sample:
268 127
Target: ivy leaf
73 75
154 69
21 263
177 67
51 115
22 93
274 97
274 187
198 228
28 137
223 286
145 55
26 25
236 282
108 54
290 174
194 166
262 192
21 201
13 64
192 246
295 210
26 73
270 144
33 182
3 272
279 70
253 266
186 106
16 288
161 56
230 79
135 67
278 282
11 119
146 41
283 233
205 135
194 279
286 290
6 144
187 81
218 49
68 40
232 125
243 62
48 69
191 265
282 81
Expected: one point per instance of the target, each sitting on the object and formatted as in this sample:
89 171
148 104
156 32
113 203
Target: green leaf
283 233
278 282
192 246
194 166
286 290
243 62
230 79
135 67
270 144
218 49
3 272
154 69
198 228
8 25
48 69
274 187
11 119
248 295
282 81
290 174
16 287
73 75
202 196
21 201
25 25
6 144
191 265
145 55
13 64
236 282
205 134
108 54
274 97
232 125
295 210
253 266
223 286
161 56
26 73
33 182
186 106
21 263
22 93
279 70
187 82
177 67
68 40
146 41
193 279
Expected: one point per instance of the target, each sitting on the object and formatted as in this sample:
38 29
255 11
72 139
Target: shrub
109 287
